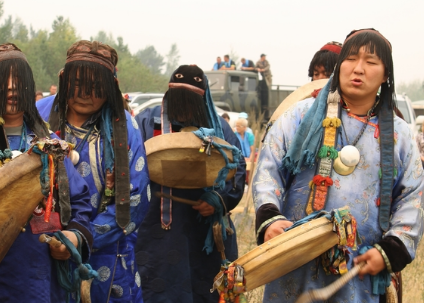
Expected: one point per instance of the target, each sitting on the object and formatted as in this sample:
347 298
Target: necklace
349 155
75 153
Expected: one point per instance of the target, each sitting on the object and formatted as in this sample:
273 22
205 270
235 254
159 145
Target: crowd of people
143 245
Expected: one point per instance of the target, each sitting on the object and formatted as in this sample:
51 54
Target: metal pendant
349 155
74 156
347 160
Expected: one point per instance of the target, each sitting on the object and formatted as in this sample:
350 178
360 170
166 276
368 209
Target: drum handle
177 199
326 292
49 240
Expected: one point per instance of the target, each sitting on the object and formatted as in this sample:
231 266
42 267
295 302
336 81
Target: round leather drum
174 161
20 193
287 252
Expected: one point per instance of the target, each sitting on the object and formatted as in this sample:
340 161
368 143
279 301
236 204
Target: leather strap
387 146
122 175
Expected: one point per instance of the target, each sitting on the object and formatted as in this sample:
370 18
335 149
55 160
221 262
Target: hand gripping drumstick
326 292
49 240
177 199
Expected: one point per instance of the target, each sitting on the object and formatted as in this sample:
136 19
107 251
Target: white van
405 106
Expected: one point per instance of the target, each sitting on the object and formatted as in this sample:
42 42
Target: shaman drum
174 161
299 94
286 252
20 193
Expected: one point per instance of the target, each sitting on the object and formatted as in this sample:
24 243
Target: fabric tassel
331 122
322 181
328 151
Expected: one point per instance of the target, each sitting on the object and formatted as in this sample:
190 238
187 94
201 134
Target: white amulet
74 156
349 155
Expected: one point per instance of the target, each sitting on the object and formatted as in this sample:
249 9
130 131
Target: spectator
53 89
324 60
218 64
247 139
38 95
226 117
263 67
247 65
244 115
228 63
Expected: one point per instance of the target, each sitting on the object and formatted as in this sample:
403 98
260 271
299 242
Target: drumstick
177 199
217 236
326 292
49 240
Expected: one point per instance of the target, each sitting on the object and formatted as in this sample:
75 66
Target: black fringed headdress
95 62
14 64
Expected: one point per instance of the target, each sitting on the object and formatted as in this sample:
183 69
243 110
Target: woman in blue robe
99 139
27 272
281 186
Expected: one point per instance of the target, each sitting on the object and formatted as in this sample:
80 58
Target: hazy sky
288 32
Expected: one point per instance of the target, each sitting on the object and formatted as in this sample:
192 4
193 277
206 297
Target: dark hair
39 93
227 56
93 77
323 58
225 116
374 43
24 85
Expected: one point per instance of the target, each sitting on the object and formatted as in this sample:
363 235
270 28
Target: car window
403 107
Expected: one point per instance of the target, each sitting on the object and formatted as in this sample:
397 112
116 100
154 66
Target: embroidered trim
268 222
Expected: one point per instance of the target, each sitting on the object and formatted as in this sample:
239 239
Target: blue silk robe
172 263
113 251
358 190
27 272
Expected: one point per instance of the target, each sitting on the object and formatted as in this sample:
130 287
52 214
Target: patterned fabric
27 273
420 142
359 190
113 251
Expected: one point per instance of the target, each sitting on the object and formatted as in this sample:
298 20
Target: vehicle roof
231 72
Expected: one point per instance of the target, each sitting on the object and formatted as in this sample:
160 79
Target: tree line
145 71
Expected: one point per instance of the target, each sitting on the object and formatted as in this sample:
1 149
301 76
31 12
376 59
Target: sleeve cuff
265 216
86 235
396 253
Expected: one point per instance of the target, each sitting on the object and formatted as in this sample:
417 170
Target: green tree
413 89
151 59
172 60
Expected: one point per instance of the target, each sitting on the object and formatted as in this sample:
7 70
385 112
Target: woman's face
361 75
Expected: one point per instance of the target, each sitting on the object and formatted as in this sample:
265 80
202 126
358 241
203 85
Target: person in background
245 116
218 64
263 67
226 117
228 63
38 95
324 60
247 139
248 65
53 89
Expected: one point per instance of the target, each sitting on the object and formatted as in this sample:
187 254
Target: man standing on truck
263 67
247 65
228 63
218 64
